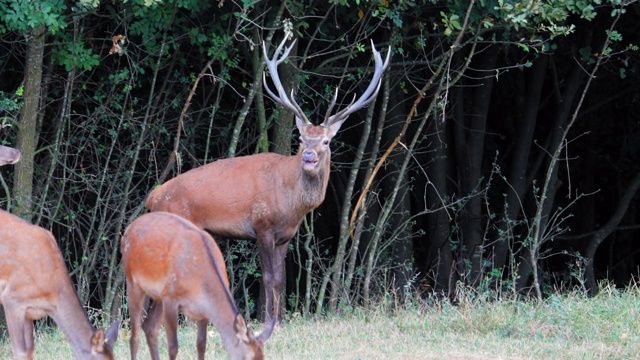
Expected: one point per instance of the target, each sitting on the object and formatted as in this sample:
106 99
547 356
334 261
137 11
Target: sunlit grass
568 326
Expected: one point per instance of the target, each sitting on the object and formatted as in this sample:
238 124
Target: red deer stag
180 267
264 196
34 283
8 155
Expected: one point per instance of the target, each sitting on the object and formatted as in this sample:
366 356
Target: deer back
240 197
173 261
34 283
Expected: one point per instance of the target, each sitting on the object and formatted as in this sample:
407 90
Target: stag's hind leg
272 259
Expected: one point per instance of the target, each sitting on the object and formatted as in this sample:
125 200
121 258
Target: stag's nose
308 155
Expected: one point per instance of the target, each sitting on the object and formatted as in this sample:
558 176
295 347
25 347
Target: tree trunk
399 228
565 99
27 129
439 259
518 181
471 169
606 230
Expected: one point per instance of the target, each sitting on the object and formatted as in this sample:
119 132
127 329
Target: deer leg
272 260
20 333
136 301
170 312
201 340
151 325
266 249
279 280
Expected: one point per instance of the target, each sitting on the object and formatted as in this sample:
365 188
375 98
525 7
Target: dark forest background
500 155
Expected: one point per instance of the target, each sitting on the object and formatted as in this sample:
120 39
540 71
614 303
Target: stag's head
315 139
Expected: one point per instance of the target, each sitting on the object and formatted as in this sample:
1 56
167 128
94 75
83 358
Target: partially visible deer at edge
180 267
265 196
9 155
34 283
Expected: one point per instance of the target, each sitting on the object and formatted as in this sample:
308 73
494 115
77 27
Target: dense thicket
501 152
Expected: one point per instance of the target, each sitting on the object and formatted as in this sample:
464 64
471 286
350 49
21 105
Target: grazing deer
264 196
8 155
34 283
180 267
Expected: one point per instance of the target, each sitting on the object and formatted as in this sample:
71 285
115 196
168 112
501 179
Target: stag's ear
334 127
302 124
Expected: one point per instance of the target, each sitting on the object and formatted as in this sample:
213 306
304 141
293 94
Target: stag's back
234 197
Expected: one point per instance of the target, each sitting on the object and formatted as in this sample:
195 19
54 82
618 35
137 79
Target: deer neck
72 320
313 185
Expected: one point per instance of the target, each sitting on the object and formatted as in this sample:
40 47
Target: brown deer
180 267
8 155
264 196
34 283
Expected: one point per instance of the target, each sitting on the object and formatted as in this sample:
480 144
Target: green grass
560 327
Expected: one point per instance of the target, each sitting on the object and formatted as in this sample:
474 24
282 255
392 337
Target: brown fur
180 267
34 283
263 197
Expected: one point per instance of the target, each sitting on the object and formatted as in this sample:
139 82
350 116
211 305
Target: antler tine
332 103
368 95
288 102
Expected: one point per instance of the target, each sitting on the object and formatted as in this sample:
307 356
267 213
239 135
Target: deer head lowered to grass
34 283
265 196
180 267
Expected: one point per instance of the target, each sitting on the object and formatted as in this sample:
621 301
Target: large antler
272 64
368 95
290 103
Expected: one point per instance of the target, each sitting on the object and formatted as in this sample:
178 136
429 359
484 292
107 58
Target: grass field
560 327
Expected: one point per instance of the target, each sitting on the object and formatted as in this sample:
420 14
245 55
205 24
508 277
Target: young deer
34 283
180 267
8 155
264 196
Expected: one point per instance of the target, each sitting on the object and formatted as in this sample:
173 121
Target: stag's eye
325 142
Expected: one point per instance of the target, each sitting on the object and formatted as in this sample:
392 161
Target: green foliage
75 55
20 15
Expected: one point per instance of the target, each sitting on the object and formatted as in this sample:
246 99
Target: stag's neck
312 187
71 318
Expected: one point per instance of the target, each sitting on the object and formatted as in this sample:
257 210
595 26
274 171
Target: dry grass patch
570 326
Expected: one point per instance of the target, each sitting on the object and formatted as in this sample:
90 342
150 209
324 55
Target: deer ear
302 124
243 333
112 334
97 342
334 127
101 342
